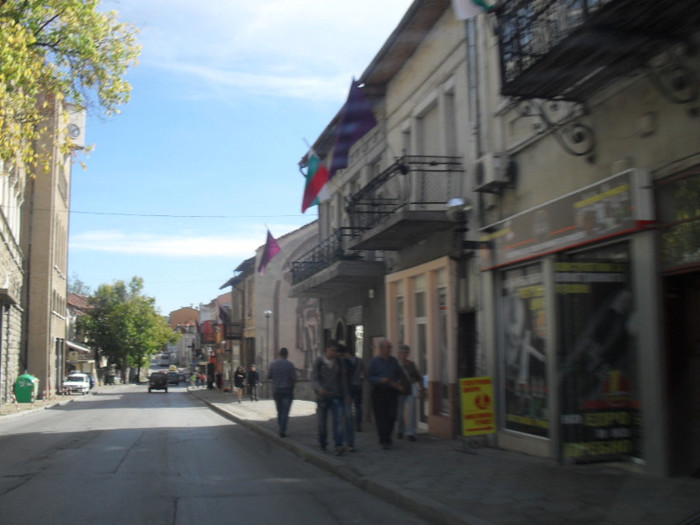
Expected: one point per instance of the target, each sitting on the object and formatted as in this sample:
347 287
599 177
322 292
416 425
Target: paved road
126 456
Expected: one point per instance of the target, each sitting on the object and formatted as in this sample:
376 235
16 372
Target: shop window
599 401
678 204
400 320
445 404
525 354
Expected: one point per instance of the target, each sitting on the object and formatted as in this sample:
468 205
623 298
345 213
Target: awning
79 347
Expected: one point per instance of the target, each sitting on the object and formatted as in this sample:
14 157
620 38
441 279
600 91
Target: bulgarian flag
316 179
465 9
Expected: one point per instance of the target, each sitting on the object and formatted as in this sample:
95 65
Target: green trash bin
26 386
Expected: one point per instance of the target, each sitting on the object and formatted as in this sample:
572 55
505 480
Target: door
682 321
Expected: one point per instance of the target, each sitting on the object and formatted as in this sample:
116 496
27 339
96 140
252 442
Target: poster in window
600 417
525 361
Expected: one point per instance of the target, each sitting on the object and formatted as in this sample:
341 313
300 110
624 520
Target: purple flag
271 249
356 120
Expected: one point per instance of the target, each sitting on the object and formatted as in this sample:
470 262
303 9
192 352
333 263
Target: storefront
576 331
677 198
421 312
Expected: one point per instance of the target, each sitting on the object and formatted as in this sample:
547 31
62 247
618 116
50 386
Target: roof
419 19
79 302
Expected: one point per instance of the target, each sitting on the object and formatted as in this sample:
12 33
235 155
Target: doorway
682 333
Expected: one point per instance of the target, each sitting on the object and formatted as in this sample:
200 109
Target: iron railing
549 47
411 182
329 251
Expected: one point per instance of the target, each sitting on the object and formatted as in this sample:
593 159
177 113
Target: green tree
58 49
125 324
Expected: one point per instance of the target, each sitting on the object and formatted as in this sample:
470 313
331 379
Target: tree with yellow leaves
58 50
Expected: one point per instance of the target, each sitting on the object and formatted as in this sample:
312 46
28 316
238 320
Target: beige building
185 321
389 262
44 242
526 210
281 320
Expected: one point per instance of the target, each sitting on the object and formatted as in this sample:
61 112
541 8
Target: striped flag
316 175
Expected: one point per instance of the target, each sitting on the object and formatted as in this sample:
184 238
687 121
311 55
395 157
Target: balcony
233 330
405 203
330 268
571 48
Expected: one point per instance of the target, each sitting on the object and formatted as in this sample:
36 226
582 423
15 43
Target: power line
177 216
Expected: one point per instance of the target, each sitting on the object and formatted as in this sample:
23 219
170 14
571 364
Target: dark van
158 381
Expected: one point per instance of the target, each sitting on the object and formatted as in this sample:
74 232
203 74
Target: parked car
158 381
173 378
77 382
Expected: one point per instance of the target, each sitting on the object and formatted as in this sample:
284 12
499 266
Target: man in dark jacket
385 376
330 384
253 382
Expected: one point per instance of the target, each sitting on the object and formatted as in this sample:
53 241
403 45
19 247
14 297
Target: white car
77 383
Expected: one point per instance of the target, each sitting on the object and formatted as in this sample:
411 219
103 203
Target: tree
125 325
76 285
58 49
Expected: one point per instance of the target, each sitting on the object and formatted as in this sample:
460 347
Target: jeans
349 423
283 401
253 392
407 422
335 406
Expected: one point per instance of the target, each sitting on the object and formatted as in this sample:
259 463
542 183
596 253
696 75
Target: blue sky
181 185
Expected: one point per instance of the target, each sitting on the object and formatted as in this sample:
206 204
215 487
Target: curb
36 410
428 510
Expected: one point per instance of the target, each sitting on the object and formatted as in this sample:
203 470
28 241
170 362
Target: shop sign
619 204
478 414
208 332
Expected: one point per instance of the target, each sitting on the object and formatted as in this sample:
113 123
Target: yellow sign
478 414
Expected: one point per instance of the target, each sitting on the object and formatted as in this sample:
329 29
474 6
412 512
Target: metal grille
412 182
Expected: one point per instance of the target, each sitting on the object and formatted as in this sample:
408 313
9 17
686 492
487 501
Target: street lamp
268 314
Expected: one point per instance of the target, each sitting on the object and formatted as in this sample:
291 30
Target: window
524 362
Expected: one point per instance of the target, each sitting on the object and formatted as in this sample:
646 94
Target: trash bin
26 386
109 379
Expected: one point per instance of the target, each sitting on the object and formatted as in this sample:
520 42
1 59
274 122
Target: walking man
253 381
349 368
330 384
284 376
384 374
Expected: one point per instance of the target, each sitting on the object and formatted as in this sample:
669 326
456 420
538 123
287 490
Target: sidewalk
446 483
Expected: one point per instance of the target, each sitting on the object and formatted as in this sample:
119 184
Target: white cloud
172 246
275 47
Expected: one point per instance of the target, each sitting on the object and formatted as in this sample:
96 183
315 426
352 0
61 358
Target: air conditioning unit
76 125
492 172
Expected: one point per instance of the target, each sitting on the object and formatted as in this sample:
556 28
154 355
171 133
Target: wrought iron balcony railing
416 183
329 251
567 48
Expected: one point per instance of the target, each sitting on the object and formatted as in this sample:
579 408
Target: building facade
390 263
12 196
588 166
525 209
